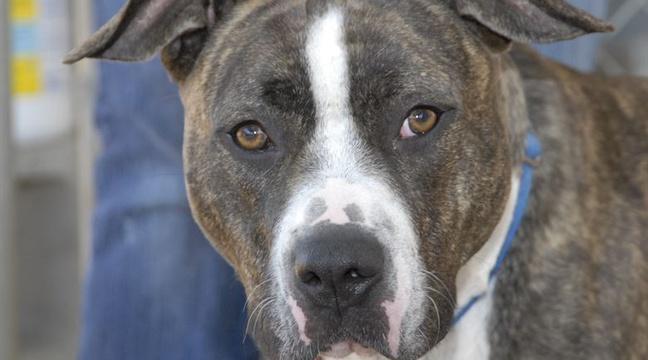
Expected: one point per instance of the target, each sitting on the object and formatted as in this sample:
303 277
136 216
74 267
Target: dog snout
338 266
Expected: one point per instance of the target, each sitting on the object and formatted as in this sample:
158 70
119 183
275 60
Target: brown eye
419 122
251 137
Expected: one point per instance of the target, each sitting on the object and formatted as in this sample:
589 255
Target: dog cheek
225 212
206 211
208 219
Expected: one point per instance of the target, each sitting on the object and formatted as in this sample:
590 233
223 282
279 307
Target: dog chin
350 351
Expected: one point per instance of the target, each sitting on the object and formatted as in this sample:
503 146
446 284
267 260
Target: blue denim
155 288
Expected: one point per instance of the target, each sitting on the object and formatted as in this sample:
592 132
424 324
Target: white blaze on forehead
327 61
329 74
340 178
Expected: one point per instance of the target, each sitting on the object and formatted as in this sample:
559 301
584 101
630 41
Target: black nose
338 266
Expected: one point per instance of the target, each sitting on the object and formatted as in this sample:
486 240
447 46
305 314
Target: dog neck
468 338
475 282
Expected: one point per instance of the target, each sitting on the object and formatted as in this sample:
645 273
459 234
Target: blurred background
47 149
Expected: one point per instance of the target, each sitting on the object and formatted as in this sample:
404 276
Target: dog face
346 157
347 171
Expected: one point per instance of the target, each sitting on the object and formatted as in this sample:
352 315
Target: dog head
346 157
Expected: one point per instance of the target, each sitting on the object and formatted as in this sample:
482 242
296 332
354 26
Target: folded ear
532 21
143 28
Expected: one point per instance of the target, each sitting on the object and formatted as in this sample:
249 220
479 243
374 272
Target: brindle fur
576 283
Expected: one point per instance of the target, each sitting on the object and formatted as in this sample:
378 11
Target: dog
408 179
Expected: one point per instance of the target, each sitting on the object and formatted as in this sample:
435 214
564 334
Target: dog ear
532 21
142 28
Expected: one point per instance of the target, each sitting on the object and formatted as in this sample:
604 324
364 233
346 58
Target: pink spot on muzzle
300 319
335 215
395 311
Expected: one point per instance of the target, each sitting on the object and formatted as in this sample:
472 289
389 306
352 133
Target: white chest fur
468 339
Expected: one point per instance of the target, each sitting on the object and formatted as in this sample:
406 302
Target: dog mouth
350 350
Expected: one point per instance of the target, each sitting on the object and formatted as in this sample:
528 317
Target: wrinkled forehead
392 48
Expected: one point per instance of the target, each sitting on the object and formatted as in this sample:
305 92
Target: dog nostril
308 277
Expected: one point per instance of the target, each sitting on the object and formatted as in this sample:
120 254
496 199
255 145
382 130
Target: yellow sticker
23 10
27 75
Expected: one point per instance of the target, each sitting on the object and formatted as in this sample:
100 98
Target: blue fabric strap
533 151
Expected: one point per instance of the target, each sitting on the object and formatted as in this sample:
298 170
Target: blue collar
533 151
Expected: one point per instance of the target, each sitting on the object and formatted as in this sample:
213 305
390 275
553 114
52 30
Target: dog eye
250 136
419 122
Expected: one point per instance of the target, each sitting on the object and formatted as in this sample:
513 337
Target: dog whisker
251 316
438 318
431 275
254 290
451 304
422 335
260 313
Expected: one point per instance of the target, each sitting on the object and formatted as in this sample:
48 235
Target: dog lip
344 349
